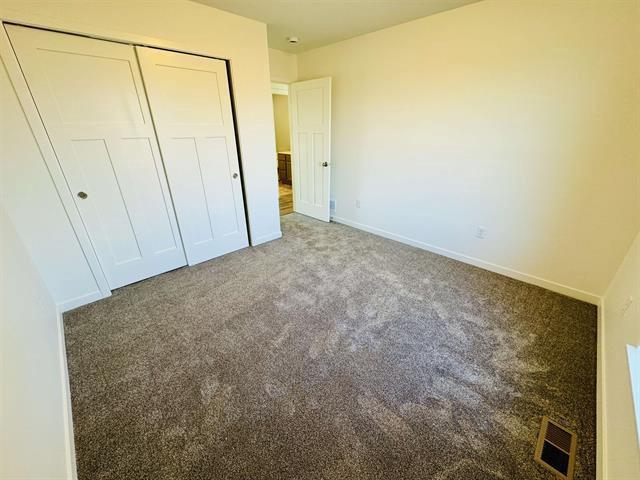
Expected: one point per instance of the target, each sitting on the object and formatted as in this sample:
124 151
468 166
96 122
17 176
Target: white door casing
191 106
90 96
310 112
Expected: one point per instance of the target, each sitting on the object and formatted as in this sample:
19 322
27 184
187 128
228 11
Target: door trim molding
279 88
52 165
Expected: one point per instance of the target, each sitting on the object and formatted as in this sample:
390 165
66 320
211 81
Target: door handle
82 195
325 164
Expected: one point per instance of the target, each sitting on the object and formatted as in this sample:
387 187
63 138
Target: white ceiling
321 22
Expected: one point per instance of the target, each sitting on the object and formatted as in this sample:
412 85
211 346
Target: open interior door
310 111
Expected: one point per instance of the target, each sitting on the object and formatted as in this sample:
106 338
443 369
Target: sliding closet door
191 106
90 96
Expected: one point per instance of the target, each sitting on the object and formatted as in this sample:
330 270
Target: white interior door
191 106
310 111
90 96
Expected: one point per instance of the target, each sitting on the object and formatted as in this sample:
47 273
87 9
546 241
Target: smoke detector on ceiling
293 40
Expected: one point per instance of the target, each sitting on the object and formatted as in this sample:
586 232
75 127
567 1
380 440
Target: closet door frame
41 137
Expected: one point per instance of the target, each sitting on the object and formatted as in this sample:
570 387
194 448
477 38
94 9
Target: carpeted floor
328 354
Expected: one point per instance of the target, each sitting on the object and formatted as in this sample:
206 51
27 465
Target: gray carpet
328 354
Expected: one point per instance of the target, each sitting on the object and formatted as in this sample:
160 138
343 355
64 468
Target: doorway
302 119
283 148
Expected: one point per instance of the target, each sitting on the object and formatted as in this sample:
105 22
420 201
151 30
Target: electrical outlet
357 203
481 232
625 306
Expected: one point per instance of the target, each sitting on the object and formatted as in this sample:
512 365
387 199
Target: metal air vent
556 448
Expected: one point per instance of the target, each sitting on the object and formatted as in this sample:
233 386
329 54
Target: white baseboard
70 450
82 300
524 277
266 238
601 400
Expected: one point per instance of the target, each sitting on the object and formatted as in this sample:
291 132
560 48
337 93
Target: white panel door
310 111
191 107
90 96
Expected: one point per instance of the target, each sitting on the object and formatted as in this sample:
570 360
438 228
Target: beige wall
33 441
621 327
520 117
283 66
29 198
281 119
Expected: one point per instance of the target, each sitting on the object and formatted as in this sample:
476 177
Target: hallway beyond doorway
285 198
